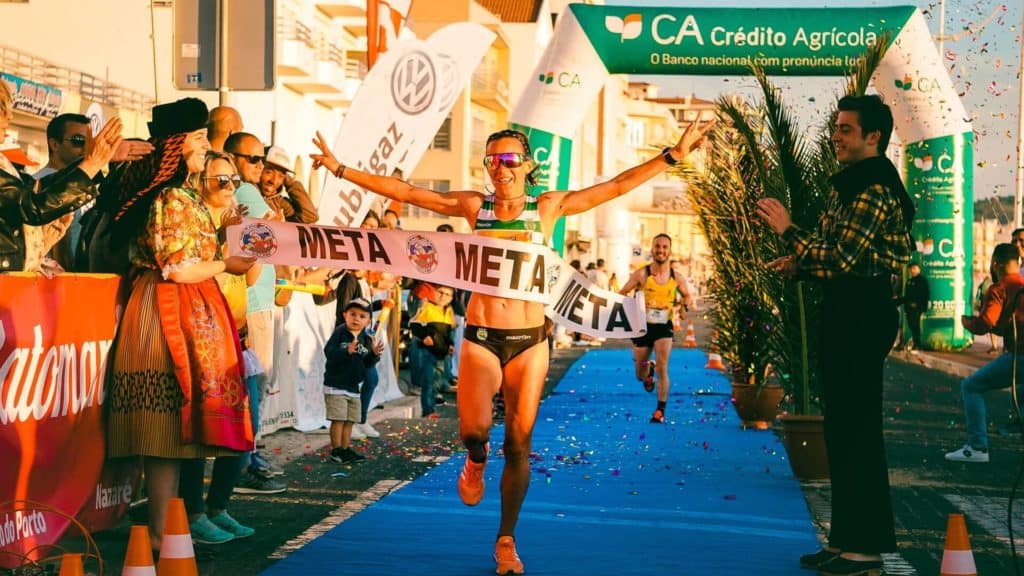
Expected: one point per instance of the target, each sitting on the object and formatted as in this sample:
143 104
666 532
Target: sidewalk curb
958 369
403 408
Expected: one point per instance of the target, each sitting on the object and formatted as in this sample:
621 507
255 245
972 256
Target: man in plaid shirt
857 250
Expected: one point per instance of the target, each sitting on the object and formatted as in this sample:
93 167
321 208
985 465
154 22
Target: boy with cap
350 353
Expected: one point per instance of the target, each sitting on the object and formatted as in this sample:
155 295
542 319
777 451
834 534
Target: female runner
505 340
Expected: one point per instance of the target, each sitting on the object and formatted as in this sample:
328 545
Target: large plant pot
804 439
756 406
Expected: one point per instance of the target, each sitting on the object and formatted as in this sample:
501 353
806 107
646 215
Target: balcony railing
489 89
342 8
295 55
29 67
335 77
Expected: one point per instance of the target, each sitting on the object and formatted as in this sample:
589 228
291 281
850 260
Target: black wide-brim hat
181 116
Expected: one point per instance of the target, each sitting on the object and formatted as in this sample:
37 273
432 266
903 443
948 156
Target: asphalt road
922 421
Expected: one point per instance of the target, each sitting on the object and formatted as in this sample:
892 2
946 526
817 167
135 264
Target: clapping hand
100 149
130 150
234 216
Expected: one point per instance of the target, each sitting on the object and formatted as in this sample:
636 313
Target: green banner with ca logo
793 42
591 42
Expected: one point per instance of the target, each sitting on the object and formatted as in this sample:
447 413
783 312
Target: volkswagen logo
413 82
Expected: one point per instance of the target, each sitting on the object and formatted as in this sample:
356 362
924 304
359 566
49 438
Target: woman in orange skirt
177 389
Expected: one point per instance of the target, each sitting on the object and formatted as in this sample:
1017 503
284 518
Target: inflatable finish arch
590 42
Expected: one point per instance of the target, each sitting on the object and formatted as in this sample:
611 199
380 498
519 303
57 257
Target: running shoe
506 557
350 456
206 532
658 417
471 480
649 381
968 454
225 522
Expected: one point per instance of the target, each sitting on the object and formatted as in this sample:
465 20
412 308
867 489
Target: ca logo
413 83
628 28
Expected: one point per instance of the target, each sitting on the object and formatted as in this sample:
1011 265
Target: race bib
657 316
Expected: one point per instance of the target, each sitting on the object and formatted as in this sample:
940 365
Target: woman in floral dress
177 389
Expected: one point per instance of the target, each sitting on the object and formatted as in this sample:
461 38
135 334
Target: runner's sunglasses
509 159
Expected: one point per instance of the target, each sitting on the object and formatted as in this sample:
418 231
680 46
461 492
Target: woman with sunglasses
210 523
504 344
176 390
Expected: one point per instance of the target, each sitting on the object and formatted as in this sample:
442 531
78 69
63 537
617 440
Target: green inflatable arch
590 42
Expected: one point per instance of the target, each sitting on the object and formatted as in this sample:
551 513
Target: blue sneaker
229 524
263 466
205 531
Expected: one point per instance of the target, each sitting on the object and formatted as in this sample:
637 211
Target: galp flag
384 20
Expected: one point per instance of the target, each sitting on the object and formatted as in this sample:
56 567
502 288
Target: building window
634 133
443 138
415 211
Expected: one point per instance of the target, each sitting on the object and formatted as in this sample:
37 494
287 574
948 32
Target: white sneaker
968 454
369 430
357 432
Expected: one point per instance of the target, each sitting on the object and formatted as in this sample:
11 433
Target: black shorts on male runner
654 332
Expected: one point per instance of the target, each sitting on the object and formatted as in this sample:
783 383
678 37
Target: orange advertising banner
56 340
384 21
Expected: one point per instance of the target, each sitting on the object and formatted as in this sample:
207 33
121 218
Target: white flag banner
402 103
504 268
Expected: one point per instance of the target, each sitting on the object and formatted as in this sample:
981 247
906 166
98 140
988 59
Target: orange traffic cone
71 565
957 558
691 339
139 560
714 358
177 557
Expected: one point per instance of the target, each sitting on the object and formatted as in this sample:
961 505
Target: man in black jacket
859 246
915 302
62 193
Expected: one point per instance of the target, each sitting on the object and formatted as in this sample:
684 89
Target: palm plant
760 152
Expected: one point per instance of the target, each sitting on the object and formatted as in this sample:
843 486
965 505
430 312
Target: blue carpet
611 493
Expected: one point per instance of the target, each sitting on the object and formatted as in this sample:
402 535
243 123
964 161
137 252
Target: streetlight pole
942 26
1018 196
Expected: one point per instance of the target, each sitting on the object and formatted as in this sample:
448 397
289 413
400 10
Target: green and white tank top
524 228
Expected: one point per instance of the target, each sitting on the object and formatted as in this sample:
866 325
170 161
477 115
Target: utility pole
942 27
222 22
1018 196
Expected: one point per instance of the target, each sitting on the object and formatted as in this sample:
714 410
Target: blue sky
983 67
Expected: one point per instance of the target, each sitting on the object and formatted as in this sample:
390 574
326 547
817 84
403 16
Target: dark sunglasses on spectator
509 159
77 140
251 158
223 179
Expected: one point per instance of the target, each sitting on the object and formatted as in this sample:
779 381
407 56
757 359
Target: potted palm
744 312
760 152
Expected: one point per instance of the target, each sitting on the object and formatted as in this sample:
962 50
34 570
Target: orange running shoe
506 557
471 480
658 417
